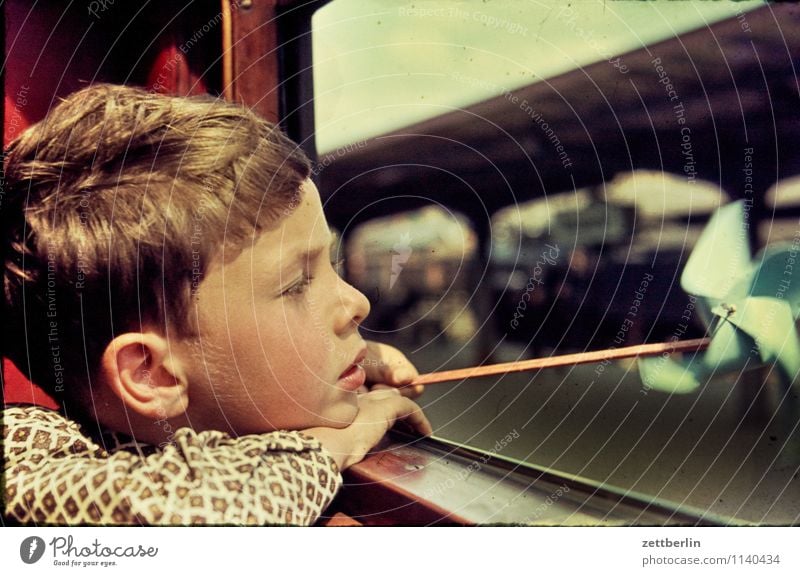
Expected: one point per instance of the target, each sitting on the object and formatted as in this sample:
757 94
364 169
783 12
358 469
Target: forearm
208 478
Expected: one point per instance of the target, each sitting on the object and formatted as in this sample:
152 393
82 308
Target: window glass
416 267
508 229
383 64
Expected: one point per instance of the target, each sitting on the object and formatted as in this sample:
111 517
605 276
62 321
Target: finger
382 391
410 412
407 391
387 364
374 362
398 369
383 408
400 373
412 391
417 419
383 387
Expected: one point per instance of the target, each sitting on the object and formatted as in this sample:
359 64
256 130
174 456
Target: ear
139 369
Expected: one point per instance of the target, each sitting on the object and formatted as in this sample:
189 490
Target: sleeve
55 476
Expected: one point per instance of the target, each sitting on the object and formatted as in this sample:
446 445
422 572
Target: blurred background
523 179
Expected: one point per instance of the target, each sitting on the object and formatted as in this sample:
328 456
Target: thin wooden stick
565 360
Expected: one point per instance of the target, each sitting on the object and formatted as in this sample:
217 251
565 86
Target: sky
380 65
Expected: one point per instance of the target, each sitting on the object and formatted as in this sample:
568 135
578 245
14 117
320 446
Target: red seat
31 66
19 390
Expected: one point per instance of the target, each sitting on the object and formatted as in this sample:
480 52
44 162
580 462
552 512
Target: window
584 146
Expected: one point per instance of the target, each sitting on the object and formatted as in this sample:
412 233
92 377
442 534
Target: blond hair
113 208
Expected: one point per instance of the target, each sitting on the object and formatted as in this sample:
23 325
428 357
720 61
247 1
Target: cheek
311 360
308 325
297 347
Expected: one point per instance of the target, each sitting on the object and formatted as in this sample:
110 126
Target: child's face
278 333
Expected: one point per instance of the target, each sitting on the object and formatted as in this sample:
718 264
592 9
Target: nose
355 307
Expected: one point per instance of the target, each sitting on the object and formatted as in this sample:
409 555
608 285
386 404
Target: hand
378 411
387 367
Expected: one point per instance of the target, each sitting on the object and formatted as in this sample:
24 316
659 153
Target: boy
167 278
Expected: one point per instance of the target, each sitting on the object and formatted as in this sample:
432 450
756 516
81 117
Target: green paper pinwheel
749 307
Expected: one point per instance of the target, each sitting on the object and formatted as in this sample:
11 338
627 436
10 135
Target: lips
354 376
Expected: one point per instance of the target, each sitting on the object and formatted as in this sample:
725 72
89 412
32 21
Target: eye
338 265
299 287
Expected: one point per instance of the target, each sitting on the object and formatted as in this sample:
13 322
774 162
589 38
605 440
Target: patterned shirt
56 474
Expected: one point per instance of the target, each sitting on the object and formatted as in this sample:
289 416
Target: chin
341 415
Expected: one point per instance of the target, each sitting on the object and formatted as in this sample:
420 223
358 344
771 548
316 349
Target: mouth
354 376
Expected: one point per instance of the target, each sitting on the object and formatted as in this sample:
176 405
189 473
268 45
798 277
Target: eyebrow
311 253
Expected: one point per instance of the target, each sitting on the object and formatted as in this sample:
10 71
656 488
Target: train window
584 148
385 65
454 105
783 201
415 267
607 241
